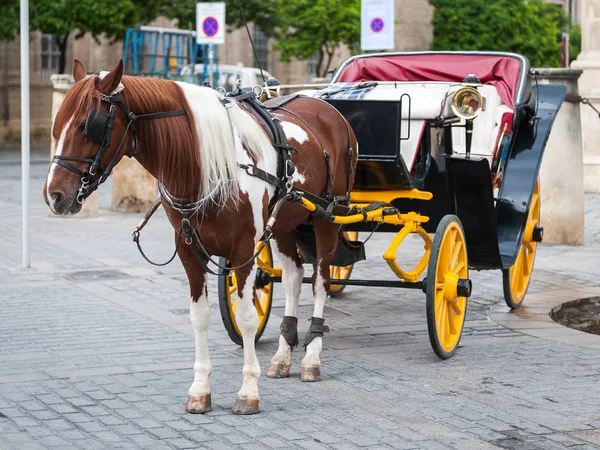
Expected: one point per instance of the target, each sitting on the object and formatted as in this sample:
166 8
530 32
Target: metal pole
25 151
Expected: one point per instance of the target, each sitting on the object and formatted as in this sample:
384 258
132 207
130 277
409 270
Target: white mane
217 126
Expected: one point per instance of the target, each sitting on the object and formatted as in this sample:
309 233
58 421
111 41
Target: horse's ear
78 71
111 81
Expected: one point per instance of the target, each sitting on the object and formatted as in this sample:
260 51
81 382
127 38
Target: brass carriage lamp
467 103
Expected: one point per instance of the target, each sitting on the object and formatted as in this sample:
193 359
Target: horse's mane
193 156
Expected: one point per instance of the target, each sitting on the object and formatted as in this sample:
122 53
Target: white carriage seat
486 126
426 101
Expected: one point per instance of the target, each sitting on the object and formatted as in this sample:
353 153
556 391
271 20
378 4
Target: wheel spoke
455 254
232 289
258 306
234 306
456 307
450 318
443 319
459 267
437 307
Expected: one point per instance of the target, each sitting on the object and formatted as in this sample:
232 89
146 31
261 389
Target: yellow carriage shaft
385 214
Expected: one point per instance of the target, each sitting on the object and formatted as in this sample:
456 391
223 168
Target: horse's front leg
199 400
246 318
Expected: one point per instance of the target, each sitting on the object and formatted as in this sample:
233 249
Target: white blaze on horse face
293 131
59 149
313 350
200 317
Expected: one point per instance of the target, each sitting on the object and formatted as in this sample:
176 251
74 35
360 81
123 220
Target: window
50 55
311 67
261 45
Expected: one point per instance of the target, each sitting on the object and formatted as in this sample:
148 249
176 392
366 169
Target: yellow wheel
339 272
515 280
263 297
447 287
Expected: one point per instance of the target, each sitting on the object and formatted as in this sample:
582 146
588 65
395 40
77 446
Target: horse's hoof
279 370
198 404
312 373
246 406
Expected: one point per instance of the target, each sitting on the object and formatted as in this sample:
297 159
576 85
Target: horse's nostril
56 197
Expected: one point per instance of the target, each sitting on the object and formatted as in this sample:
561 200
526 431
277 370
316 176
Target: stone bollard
589 87
133 188
561 174
61 84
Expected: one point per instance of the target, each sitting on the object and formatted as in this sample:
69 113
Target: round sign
210 26
377 24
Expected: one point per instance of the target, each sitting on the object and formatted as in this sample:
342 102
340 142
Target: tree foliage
302 28
531 28
60 18
309 27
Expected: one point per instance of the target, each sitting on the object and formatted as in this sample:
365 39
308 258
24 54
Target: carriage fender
522 169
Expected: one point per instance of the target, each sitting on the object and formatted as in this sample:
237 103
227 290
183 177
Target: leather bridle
98 128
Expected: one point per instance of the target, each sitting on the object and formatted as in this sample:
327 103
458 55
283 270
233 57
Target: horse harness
98 128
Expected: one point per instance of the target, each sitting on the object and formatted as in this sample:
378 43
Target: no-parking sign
377 24
210 23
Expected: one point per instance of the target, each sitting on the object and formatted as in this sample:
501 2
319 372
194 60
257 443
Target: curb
533 319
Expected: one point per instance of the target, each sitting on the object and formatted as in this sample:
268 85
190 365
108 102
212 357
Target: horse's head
90 133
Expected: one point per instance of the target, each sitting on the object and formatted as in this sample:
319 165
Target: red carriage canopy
503 72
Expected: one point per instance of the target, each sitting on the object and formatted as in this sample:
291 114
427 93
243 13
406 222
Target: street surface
97 352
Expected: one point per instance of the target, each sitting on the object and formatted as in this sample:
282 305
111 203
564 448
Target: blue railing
163 52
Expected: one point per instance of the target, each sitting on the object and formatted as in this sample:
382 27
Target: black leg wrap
289 330
316 330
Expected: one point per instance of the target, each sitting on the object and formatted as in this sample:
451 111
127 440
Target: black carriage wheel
447 277
263 298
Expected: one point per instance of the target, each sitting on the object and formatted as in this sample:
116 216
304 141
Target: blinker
96 125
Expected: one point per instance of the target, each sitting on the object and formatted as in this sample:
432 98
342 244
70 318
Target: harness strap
71 167
289 330
317 329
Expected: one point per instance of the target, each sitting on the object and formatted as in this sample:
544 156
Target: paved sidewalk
97 352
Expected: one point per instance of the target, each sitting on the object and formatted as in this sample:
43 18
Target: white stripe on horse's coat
293 131
214 123
298 177
313 350
200 317
245 314
59 149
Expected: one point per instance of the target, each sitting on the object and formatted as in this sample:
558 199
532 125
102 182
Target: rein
193 240
98 128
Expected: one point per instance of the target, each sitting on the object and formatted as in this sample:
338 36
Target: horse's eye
81 127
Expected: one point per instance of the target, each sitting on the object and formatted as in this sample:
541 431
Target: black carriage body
460 186
377 125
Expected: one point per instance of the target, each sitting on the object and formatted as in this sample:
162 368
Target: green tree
61 18
309 27
531 28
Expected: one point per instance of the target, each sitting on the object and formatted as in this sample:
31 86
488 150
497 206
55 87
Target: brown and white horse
195 156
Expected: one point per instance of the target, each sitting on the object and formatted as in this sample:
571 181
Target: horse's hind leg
327 238
291 277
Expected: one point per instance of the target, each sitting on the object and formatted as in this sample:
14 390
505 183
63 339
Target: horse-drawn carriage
448 143
451 144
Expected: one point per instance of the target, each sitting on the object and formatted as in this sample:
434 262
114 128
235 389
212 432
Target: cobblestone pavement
97 352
